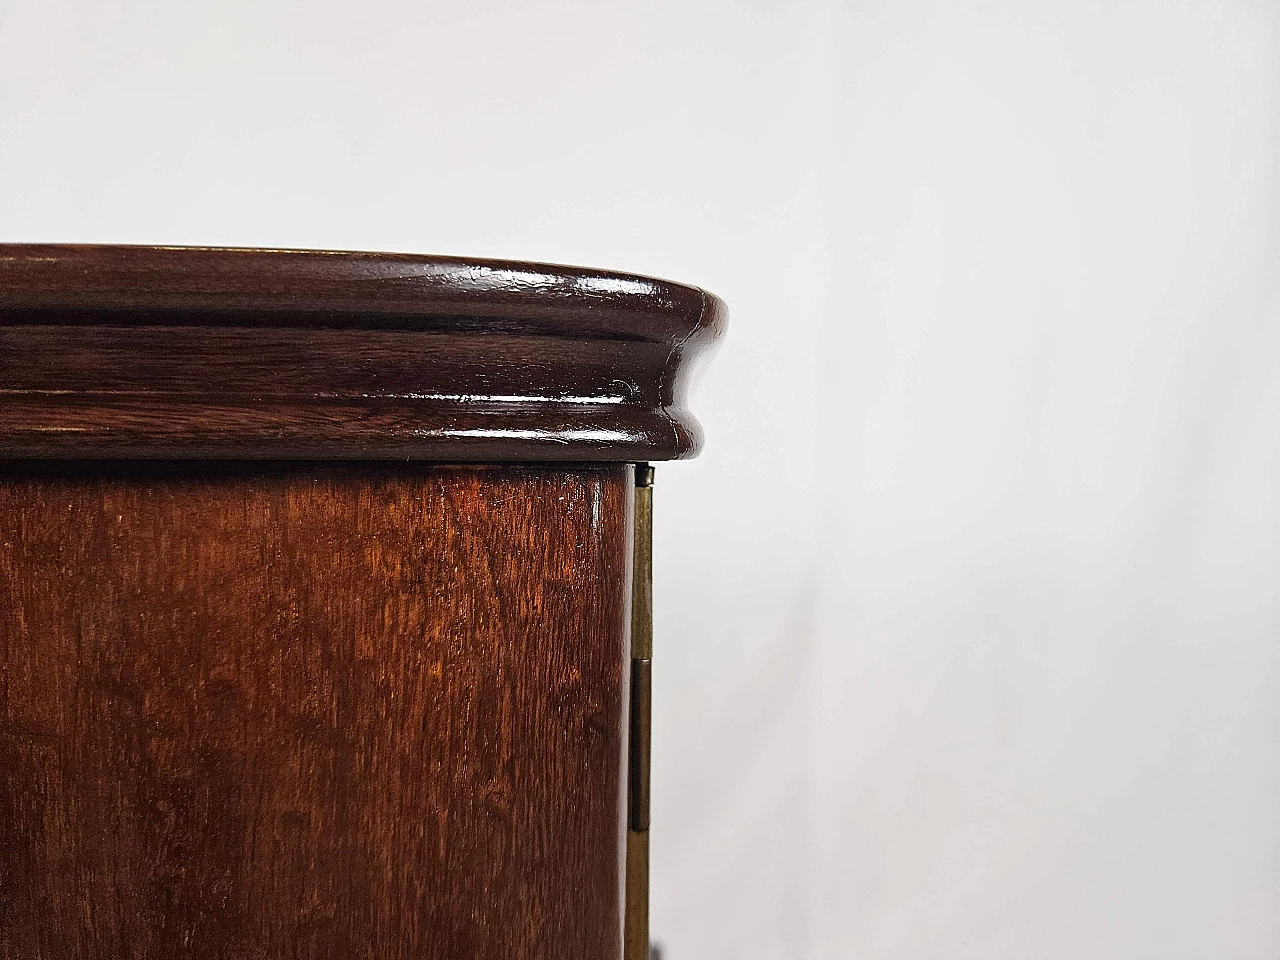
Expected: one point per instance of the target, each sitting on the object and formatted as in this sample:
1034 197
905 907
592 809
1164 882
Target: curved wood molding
194 353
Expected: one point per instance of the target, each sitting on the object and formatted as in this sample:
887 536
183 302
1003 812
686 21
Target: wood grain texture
144 352
312 712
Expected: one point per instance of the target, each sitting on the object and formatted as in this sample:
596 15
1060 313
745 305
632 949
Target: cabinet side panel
320 713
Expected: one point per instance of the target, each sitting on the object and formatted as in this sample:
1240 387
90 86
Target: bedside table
325 602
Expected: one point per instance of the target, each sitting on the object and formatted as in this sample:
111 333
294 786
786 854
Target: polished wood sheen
182 353
324 607
321 712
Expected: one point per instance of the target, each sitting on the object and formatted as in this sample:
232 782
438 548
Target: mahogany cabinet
324 602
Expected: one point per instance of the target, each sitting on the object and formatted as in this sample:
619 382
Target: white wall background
969 613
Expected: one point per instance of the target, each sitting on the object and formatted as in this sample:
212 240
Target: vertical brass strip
636 939
638 777
636 933
642 575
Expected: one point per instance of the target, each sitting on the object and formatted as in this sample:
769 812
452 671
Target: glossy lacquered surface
313 712
140 352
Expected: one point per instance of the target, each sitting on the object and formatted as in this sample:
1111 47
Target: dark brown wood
143 352
282 704
313 712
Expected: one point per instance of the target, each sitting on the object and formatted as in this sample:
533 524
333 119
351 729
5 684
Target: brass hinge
636 942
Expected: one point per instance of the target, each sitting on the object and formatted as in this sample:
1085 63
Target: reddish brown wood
143 352
312 712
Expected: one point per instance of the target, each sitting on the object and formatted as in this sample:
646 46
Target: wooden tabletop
199 353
